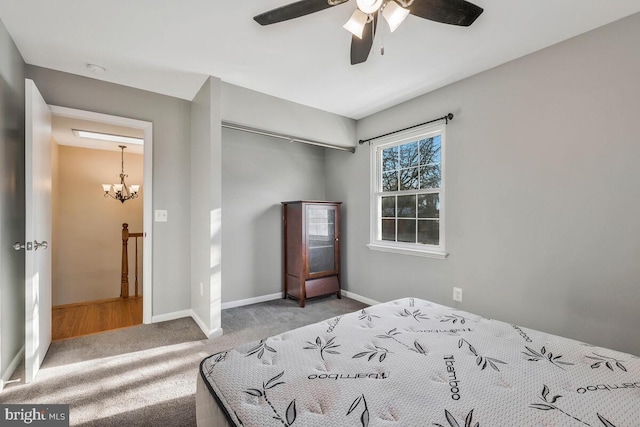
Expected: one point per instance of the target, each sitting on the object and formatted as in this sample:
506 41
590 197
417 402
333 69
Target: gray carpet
146 375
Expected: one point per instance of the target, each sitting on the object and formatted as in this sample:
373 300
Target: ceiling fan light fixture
453 12
355 25
394 14
369 6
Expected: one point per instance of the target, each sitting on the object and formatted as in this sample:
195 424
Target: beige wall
87 226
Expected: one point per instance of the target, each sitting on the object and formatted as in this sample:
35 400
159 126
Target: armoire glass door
321 238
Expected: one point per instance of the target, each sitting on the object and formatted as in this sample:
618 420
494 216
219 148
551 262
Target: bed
412 362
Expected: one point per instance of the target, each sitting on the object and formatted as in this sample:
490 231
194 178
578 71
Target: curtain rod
289 138
445 118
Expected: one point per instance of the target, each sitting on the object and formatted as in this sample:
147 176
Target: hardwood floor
74 320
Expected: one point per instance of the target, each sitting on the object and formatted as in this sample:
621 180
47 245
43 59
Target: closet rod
289 138
445 118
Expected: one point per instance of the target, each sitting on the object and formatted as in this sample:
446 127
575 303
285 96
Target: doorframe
147 207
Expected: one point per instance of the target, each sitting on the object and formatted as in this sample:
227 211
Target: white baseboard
213 333
248 301
171 316
359 298
6 375
270 297
199 322
210 333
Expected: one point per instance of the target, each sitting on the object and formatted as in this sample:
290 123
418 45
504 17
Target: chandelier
120 191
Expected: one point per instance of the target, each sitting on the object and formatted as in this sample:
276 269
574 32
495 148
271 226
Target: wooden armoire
311 249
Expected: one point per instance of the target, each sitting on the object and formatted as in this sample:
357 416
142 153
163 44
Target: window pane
389 229
409 155
429 205
390 181
429 232
390 159
430 151
407 230
409 179
409 191
430 176
389 206
407 206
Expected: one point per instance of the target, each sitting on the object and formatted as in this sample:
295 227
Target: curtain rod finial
450 116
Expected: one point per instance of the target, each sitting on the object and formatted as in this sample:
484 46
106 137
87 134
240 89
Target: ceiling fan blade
360 48
454 12
295 10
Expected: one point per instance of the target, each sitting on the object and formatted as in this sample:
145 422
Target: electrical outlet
161 215
201 290
457 294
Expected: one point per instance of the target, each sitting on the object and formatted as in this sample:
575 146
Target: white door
38 230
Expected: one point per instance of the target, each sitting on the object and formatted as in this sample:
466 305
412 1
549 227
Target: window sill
407 251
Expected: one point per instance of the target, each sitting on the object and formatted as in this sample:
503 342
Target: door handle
43 245
30 246
19 246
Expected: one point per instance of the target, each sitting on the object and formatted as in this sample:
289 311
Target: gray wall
294 171
257 174
171 168
258 110
11 200
542 193
206 200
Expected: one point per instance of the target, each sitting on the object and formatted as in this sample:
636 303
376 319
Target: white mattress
415 363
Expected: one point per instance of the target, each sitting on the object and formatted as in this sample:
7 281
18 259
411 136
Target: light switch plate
457 294
161 215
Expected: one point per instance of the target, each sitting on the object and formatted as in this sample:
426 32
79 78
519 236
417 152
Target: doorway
103 307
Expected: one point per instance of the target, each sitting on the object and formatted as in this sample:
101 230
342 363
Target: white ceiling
170 46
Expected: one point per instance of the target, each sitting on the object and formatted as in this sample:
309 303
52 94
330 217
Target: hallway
74 320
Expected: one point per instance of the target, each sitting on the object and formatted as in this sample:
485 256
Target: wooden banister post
124 284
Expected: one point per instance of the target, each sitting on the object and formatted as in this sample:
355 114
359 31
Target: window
407 192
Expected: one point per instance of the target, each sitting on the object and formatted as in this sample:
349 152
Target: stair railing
124 281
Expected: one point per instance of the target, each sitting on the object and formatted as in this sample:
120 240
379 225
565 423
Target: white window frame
375 241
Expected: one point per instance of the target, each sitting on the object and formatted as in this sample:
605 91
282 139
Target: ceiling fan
364 21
